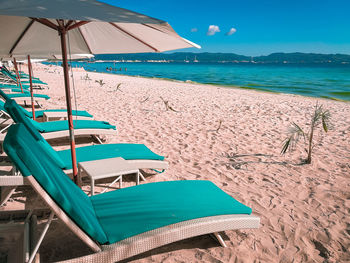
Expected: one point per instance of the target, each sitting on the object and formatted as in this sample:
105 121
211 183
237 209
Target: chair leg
36 247
33 237
5 194
219 238
141 176
98 139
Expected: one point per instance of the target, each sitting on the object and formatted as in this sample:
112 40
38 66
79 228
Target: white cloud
231 32
212 30
194 30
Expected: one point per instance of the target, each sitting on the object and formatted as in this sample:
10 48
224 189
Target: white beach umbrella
38 27
41 58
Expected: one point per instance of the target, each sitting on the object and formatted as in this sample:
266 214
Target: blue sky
263 26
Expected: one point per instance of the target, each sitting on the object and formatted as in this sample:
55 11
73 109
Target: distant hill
300 58
274 58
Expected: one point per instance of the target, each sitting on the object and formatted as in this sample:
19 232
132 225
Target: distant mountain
301 58
274 58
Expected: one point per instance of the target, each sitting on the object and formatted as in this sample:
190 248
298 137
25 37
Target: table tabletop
105 168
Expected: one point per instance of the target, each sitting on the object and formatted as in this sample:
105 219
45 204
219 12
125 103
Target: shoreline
222 86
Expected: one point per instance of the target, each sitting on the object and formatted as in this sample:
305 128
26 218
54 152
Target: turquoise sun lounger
27 95
13 86
40 113
86 153
23 96
139 155
13 78
126 222
15 90
59 129
21 73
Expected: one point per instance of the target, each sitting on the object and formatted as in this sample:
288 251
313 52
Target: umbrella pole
31 86
63 34
17 74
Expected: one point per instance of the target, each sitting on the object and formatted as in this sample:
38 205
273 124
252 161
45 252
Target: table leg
138 178
92 186
118 179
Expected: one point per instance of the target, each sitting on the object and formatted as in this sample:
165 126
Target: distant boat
186 60
195 59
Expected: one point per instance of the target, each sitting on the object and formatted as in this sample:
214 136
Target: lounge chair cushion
25 152
16 89
54 126
6 85
21 95
13 77
40 113
18 115
105 151
150 206
114 216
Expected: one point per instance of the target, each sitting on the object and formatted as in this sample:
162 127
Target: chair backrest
2 107
18 116
7 73
3 68
27 155
4 95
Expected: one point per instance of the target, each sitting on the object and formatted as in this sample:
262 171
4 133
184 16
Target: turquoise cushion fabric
17 90
40 113
4 85
53 126
114 216
26 113
24 151
88 153
18 116
135 210
105 151
36 124
14 78
21 95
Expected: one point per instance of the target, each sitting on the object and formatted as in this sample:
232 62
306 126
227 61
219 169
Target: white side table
106 168
60 115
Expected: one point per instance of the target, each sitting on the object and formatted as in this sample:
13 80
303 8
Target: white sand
304 209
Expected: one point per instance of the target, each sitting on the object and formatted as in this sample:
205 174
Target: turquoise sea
326 81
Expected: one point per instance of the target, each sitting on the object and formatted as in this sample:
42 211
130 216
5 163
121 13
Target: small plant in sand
117 88
86 77
167 106
219 127
144 100
100 82
319 117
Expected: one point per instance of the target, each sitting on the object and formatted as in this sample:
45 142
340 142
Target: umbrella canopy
30 27
41 58
39 27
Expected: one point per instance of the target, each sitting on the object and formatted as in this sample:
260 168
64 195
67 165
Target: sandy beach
232 137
